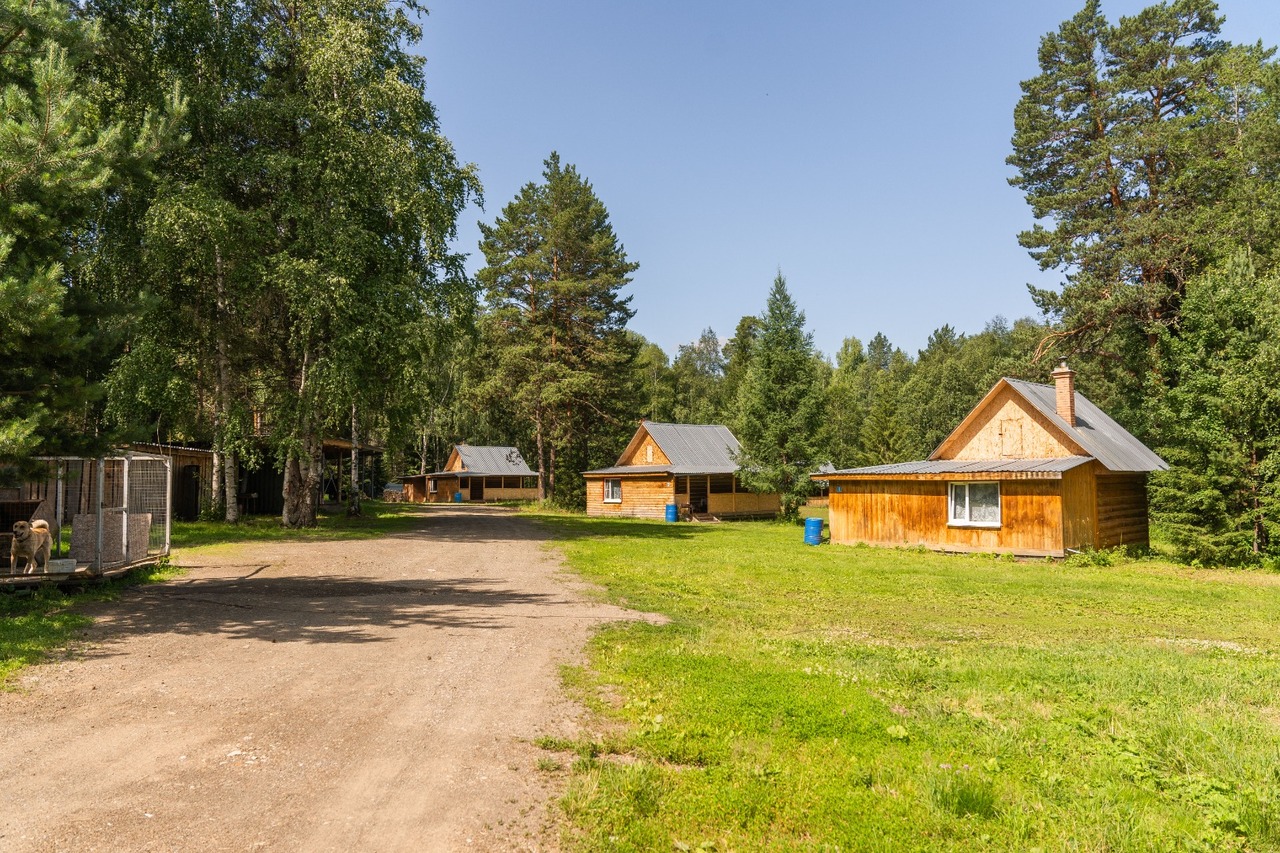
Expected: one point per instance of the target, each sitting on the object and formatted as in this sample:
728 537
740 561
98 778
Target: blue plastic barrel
813 531
457 497
673 514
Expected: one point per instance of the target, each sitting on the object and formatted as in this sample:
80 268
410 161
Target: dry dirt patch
377 695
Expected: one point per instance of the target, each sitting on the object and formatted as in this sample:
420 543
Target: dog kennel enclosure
105 515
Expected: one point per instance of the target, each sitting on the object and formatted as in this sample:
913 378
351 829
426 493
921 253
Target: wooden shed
693 466
1033 470
478 474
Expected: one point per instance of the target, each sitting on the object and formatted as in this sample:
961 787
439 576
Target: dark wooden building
1033 470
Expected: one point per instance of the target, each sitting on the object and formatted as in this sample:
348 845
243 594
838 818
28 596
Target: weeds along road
314 696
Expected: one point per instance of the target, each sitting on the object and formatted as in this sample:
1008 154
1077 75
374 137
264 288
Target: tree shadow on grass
584 527
331 609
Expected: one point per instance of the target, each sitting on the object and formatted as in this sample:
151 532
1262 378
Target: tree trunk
301 484
230 469
215 487
542 472
353 501
551 472
232 473
292 514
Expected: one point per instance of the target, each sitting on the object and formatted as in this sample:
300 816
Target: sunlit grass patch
378 518
859 698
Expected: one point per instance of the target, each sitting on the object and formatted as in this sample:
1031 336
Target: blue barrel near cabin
813 531
457 497
673 514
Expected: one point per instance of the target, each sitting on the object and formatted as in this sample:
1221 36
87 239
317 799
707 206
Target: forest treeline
233 224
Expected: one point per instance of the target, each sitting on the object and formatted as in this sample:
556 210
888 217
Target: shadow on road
330 609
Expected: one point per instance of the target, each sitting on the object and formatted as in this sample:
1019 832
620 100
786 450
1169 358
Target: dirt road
320 696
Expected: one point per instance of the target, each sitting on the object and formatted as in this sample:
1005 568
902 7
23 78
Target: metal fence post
124 515
102 484
59 502
168 501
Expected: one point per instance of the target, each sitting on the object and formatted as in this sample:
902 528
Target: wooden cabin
690 465
1033 470
475 474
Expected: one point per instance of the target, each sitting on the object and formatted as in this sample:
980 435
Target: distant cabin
478 474
690 465
1033 470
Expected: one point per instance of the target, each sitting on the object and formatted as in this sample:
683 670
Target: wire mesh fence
103 515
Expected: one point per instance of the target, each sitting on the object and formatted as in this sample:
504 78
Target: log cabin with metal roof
475 474
691 466
1032 470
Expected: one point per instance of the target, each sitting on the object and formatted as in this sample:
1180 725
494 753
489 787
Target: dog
31 540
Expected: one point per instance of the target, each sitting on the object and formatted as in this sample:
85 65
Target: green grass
37 622
378 519
839 698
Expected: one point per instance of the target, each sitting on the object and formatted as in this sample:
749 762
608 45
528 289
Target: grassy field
839 698
377 518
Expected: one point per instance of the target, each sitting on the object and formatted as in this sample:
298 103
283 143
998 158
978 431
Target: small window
973 505
431 485
613 491
648 453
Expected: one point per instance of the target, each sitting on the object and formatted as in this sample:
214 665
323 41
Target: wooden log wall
743 504
1122 510
913 512
642 497
1080 507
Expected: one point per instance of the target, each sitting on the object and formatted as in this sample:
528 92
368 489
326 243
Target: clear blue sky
858 147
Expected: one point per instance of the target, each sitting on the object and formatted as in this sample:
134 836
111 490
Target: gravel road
322 696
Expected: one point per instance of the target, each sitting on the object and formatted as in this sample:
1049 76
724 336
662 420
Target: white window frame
432 486
953 487
616 483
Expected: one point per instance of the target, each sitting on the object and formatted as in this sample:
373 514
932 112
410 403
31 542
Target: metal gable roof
1099 435
696 448
497 461
969 466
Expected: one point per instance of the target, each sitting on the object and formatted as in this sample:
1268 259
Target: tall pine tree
557 325
1141 148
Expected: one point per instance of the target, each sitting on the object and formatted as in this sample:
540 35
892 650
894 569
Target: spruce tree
1220 426
780 403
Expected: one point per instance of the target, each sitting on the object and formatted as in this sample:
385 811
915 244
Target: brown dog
31 539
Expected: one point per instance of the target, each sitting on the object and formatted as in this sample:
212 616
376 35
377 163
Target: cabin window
613 491
973 505
431 485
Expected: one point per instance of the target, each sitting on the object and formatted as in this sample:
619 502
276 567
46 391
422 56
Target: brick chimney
1064 381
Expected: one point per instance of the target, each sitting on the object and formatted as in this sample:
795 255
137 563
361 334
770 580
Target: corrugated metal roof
633 469
498 461
970 466
1103 438
696 448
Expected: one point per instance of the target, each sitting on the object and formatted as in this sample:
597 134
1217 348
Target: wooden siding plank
642 497
914 512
